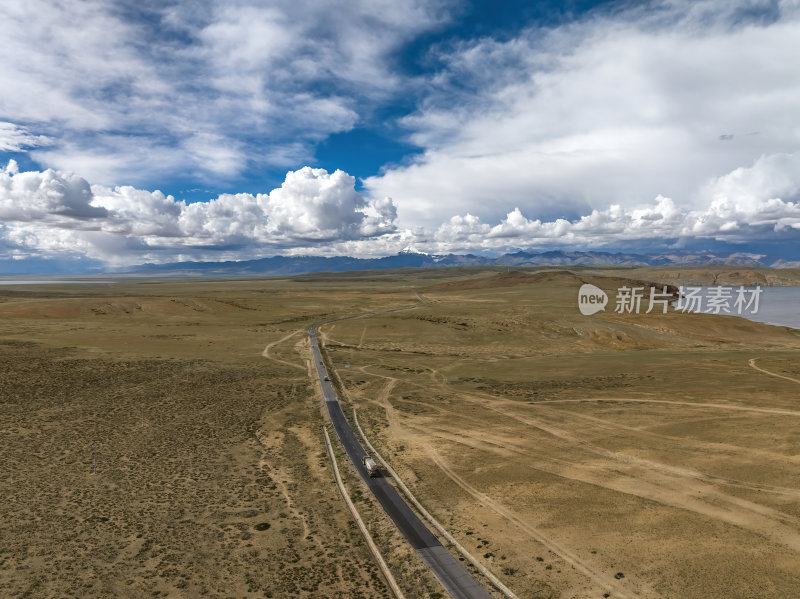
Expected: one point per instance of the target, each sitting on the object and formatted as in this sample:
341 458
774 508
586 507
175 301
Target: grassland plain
565 450
211 475
568 449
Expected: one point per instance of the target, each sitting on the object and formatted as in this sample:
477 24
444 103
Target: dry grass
640 445
211 475
636 454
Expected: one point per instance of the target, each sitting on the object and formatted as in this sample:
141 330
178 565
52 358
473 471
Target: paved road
455 579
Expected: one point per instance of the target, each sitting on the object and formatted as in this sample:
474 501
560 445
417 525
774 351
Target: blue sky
163 131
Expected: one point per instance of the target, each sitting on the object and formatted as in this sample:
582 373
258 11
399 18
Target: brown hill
511 279
550 278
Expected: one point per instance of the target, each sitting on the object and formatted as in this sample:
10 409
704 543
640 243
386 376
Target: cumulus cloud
136 212
314 211
315 205
231 220
51 210
380 216
460 228
753 202
749 204
558 136
312 206
774 176
613 109
46 196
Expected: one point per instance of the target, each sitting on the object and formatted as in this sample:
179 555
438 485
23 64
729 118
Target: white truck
371 466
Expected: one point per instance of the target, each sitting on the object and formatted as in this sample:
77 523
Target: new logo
591 299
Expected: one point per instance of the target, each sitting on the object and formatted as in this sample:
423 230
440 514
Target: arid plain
639 455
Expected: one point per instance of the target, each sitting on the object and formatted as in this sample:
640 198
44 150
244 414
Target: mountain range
409 257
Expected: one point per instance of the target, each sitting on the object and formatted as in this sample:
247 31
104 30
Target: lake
54 282
779 305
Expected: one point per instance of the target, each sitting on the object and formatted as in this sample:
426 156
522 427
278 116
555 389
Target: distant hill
510 279
294 265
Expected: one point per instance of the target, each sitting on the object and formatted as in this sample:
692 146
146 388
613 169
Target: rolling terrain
163 438
634 455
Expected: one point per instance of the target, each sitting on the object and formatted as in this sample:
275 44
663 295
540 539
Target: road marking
453 575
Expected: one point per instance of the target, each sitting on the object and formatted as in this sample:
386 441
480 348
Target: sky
135 132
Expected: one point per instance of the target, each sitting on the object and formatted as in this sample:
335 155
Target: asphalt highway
453 576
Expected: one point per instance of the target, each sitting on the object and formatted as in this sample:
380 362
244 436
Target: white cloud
14 138
47 211
748 204
140 213
111 158
312 204
380 217
554 137
460 228
319 212
775 176
609 110
229 220
315 205
63 199
207 89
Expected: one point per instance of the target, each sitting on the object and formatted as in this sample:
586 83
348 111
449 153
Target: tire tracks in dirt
602 580
720 406
752 363
269 346
363 333
669 485
666 488
271 445
648 464
722 449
